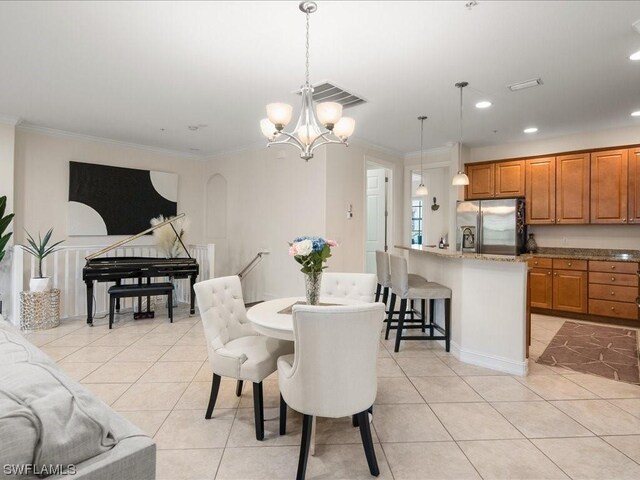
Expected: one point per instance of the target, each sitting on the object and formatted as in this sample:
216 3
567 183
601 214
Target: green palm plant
40 249
4 224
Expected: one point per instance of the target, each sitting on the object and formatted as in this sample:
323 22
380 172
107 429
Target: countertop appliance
491 226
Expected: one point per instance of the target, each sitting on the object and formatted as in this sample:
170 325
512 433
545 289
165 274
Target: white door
376 215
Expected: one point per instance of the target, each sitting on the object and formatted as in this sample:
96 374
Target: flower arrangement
311 253
166 240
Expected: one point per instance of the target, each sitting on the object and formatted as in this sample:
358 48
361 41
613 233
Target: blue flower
318 242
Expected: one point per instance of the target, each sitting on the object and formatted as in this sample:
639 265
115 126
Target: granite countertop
452 253
587 254
568 253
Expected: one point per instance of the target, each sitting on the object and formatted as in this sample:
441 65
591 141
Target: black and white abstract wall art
106 200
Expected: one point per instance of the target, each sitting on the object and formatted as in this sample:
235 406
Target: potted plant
40 250
5 220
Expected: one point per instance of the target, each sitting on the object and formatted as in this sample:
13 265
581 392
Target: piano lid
138 235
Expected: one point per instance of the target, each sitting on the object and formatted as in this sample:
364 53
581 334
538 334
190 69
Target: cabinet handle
613 267
613 279
568 264
631 220
535 263
613 309
613 293
555 274
624 220
549 273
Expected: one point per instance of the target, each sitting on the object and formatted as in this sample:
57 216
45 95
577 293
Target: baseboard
490 361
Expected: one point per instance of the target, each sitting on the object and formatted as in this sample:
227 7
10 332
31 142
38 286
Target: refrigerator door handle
479 232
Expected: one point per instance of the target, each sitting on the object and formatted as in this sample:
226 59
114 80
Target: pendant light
323 126
460 178
421 191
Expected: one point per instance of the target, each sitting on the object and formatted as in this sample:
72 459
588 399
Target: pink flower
293 250
332 243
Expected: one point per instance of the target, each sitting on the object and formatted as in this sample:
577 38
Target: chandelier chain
307 54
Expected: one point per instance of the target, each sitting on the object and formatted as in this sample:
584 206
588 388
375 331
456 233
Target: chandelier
322 126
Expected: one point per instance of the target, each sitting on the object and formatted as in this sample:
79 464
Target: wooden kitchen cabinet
634 185
609 186
570 291
481 181
540 190
509 179
572 189
541 288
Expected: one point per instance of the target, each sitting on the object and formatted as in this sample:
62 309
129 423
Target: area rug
605 351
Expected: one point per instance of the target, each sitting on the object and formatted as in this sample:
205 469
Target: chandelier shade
317 126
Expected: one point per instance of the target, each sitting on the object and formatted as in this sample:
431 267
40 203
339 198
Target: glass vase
312 287
531 246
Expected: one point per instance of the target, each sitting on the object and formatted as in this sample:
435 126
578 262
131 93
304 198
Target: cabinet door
509 180
634 185
481 179
572 189
570 291
609 186
540 190
541 288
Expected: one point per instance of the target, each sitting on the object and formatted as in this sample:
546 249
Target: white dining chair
356 286
235 349
333 372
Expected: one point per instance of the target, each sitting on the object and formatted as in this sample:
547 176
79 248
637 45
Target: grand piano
116 269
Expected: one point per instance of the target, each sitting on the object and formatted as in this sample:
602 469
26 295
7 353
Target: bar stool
413 287
384 277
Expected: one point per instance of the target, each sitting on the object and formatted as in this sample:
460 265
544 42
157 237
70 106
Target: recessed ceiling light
530 130
636 113
483 104
635 56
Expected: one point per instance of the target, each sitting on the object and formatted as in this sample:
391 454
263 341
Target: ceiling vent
636 26
328 92
514 87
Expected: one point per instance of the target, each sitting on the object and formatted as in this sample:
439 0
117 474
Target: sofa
52 426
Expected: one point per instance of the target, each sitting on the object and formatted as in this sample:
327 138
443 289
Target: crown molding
359 142
249 147
9 120
108 141
443 149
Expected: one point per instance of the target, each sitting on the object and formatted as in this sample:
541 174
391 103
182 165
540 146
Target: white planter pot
40 284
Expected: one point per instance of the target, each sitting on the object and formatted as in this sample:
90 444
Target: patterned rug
605 351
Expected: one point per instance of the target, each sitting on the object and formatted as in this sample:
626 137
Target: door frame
370 160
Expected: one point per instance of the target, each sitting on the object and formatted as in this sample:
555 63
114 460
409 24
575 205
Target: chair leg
367 443
423 304
385 295
283 416
403 310
112 305
432 315
354 420
412 309
258 411
378 288
239 387
215 386
170 305
392 305
307 421
447 323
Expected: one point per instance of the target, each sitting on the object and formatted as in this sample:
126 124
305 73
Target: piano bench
140 290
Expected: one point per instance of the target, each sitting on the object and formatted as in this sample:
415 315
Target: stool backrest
358 286
399 275
334 369
382 268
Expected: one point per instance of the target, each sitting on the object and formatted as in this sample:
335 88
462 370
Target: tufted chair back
382 268
399 275
358 286
221 306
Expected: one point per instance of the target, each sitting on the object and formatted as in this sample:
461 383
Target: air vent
514 87
328 92
636 26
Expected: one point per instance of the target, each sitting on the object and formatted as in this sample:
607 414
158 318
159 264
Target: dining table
274 318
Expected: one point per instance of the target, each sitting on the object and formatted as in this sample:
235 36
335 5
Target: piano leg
193 295
89 302
118 283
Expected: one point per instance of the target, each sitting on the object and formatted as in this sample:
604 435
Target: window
416 222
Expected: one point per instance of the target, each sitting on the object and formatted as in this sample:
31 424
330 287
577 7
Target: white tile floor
435 417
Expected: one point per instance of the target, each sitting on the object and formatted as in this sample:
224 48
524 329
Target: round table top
267 321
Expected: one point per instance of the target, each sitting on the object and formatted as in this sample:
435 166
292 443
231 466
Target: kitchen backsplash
587 236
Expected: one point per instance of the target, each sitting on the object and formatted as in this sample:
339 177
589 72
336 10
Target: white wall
273 196
585 236
42 182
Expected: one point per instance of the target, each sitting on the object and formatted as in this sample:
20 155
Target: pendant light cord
421 149
307 55
460 142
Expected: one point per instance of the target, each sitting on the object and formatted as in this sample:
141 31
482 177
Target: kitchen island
488 304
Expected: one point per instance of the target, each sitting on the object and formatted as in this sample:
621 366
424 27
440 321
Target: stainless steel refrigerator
491 226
